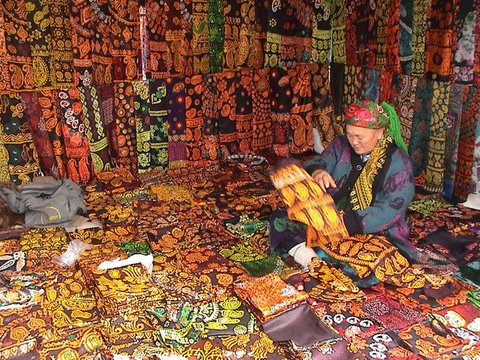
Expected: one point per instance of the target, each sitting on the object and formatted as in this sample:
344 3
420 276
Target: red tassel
84 170
72 171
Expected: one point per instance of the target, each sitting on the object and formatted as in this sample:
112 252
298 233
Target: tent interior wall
168 114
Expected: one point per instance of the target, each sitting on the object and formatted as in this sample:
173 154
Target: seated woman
369 175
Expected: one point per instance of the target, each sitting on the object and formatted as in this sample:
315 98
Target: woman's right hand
324 179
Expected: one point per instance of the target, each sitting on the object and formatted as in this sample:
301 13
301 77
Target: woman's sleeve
390 202
328 158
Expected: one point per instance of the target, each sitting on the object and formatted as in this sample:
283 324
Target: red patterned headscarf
370 115
366 114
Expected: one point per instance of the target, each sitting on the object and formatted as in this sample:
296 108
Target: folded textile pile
124 291
268 296
179 324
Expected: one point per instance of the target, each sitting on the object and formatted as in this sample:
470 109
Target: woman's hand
324 179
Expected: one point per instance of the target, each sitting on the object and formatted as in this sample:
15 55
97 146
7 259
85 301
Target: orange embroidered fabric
309 204
367 254
269 296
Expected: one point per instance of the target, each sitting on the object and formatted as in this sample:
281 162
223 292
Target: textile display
308 204
436 142
18 148
334 284
455 109
417 148
179 124
348 319
386 263
274 298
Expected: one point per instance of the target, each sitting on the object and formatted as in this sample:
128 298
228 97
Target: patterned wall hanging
440 39
17 140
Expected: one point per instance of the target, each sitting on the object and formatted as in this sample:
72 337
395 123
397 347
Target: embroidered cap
368 114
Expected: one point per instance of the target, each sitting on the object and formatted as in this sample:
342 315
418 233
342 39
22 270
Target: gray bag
52 203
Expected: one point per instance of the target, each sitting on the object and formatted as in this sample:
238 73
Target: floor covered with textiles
213 290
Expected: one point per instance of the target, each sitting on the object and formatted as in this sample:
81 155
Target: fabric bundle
268 296
124 291
308 204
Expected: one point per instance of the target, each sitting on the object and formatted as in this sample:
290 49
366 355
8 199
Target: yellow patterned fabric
334 284
268 296
309 204
367 254
361 195
124 291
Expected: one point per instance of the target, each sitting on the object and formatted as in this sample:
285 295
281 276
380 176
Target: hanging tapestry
338 31
123 140
436 141
371 84
216 34
175 119
354 78
387 91
464 51
405 50
17 139
95 127
158 124
321 31
393 34
454 118
260 36
40 137
61 57
239 17
194 132
439 39
419 29
244 110
281 110
4 77
302 108
466 145
421 125
289 32
51 55
476 61
323 111
380 40
77 149
261 123
200 37
91 42
360 32
142 124
50 125
227 128
159 61
404 101
210 121
16 53
125 38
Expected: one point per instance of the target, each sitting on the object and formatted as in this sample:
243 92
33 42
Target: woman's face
363 140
